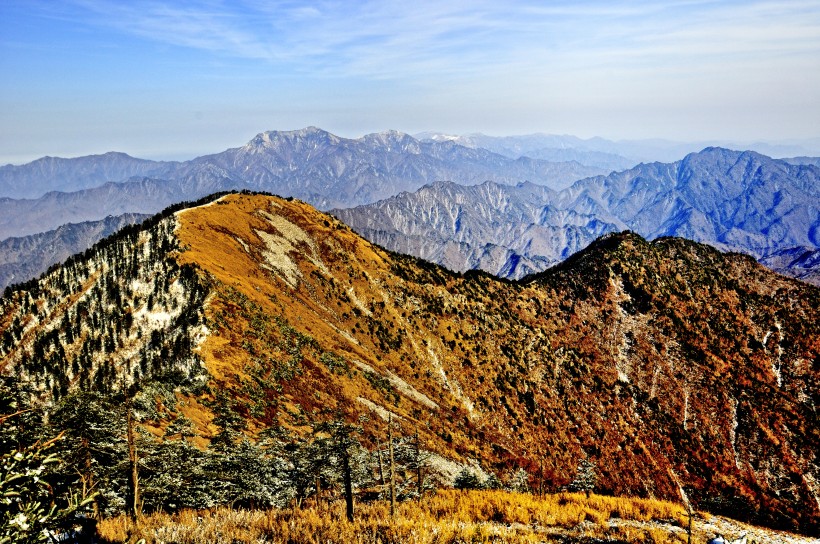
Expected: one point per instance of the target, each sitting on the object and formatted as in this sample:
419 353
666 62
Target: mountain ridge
311 164
610 355
736 201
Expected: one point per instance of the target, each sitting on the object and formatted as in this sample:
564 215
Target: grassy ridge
449 516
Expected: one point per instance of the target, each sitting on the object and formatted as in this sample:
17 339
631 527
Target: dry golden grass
446 517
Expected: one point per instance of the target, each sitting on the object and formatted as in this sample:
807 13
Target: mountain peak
275 137
393 140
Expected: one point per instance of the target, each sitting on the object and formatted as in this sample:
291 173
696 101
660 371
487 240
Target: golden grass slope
669 364
448 517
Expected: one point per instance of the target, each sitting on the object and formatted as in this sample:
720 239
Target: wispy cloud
428 38
636 68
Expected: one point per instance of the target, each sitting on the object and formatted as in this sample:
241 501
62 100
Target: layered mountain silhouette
501 212
675 368
311 164
735 201
47 174
614 155
27 257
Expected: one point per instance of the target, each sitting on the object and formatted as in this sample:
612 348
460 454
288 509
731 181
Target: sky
174 80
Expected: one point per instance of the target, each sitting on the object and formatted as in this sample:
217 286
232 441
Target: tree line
101 455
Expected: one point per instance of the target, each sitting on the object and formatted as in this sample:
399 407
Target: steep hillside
736 201
675 368
508 231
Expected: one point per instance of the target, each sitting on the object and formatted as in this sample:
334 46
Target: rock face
311 164
735 201
672 366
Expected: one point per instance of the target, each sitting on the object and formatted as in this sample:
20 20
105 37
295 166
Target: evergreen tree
176 474
345 454
25 428
28 508
520 481
586 477
94 450
466 479
226 419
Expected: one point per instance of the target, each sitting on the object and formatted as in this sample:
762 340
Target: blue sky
160 79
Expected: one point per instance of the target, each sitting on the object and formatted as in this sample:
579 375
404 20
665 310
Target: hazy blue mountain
539 146
47 174
803 160
27 257
145 196
310 164
736 201
609 154
799 262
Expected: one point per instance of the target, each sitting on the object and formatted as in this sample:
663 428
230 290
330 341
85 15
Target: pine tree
520 481
94 449
28 511
586 477
466 479
226 419
343 453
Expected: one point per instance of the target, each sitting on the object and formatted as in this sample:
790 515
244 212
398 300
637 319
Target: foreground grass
447 517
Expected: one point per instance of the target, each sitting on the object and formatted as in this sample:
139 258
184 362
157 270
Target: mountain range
676 369
27 257
609 154
311 164
502 212
735 201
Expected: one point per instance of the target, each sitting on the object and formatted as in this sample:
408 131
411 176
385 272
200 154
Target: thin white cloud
410 40
598 67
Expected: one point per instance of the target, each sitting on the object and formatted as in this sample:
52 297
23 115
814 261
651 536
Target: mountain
312 164
608 154
803 160
539 146
673 367
20 218
798 262
509 231
24 258
736 201
48 174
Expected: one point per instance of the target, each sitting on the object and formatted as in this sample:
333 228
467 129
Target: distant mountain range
613 155
27 257
516 214
310 164
39 177
735 201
